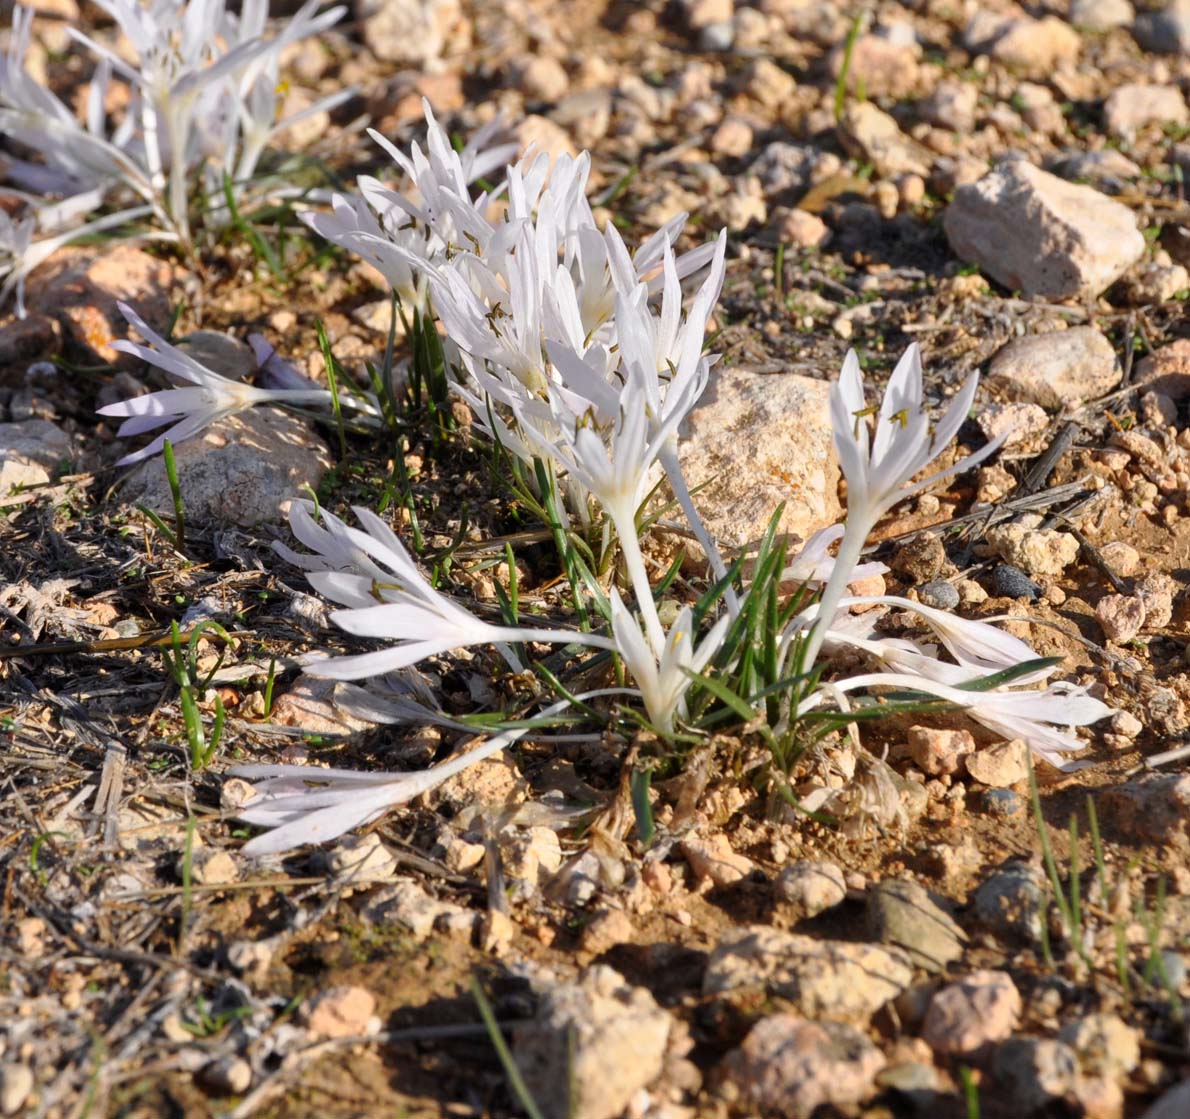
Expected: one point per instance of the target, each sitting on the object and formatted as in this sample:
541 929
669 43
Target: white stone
1055 370
1130 107
1101 15
1038 234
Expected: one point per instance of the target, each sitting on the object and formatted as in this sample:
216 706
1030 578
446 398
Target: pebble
592 1045
901 912
32 453
309 704
408 906
1036 233
339 1012
1120 616
951 106
940 594
810 887
606 930
790 1067
713 860
242 470
1106 1046
886 68
966 1018
1101 15
543 79
1154 807
920 558
1166 370
1037 46
873 136
1021 420
226 1076
834 979
732 138
531 856
210 867
1166 31
1000 766
1130 107
801 229
1108 170
1121 557
1010 582
785 169
1008 903
1002 803
16 1086
411 32
1035 551
1031 1072
787 458
936 751
1055 370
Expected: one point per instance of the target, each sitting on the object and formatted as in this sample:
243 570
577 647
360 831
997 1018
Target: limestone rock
964 1019
760 440
1130 107
871 134
411 32
31 453
1057 369
243 470
1036 233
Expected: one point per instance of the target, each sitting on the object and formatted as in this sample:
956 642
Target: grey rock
1154 807
717 36
1012 582
901 912
1108 170
1038 234
592 1046
810 887
1166 31
1175 1104
220 352
837 980
226 1076
1002 803
789 1067
951 106
1032 1072
939 594
31 453
785 169
242 470
1057 369
1008 903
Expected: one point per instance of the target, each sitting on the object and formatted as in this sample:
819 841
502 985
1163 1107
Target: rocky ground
1003 186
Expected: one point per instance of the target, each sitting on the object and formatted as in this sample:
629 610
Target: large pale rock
790 1067
760 440
592 1046
243 470
1130 107
1038 234
31 452
1064 367
1037 46
411 32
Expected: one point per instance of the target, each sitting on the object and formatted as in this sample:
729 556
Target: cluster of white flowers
202 104
578 356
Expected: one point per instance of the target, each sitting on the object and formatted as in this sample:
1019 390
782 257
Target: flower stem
634 561
850 547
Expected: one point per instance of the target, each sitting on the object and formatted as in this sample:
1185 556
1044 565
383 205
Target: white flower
190 410
663 683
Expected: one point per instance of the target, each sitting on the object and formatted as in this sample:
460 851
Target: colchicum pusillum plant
579 359
202 105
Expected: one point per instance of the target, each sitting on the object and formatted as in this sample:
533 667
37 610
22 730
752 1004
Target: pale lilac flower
190 410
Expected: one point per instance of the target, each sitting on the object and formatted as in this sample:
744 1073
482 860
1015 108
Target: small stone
33 338
935 751
1008 903
951 106
994 484
966 1018
1099 1097
16 1086
1152 282
309 704
543 79
360 859
919 559
939 594
1022 421
1000 766
243 470
885 68
1055 370
1030 1072
839 980
1036 551
226 1076
789 1067
32 453
497 931
699 13
1154 807
799 228
411 32
1037 46
339 1012
785 169
406 905
1166 31
531 857
901 912
1101 15
593 1044
1012 582
1105 1045
1121 557
1130 107
209 866
1157 592
1002 803
733 138
1120 616
713 860
1036 233
1166 370
870 134
608 929
810 887
1107 170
